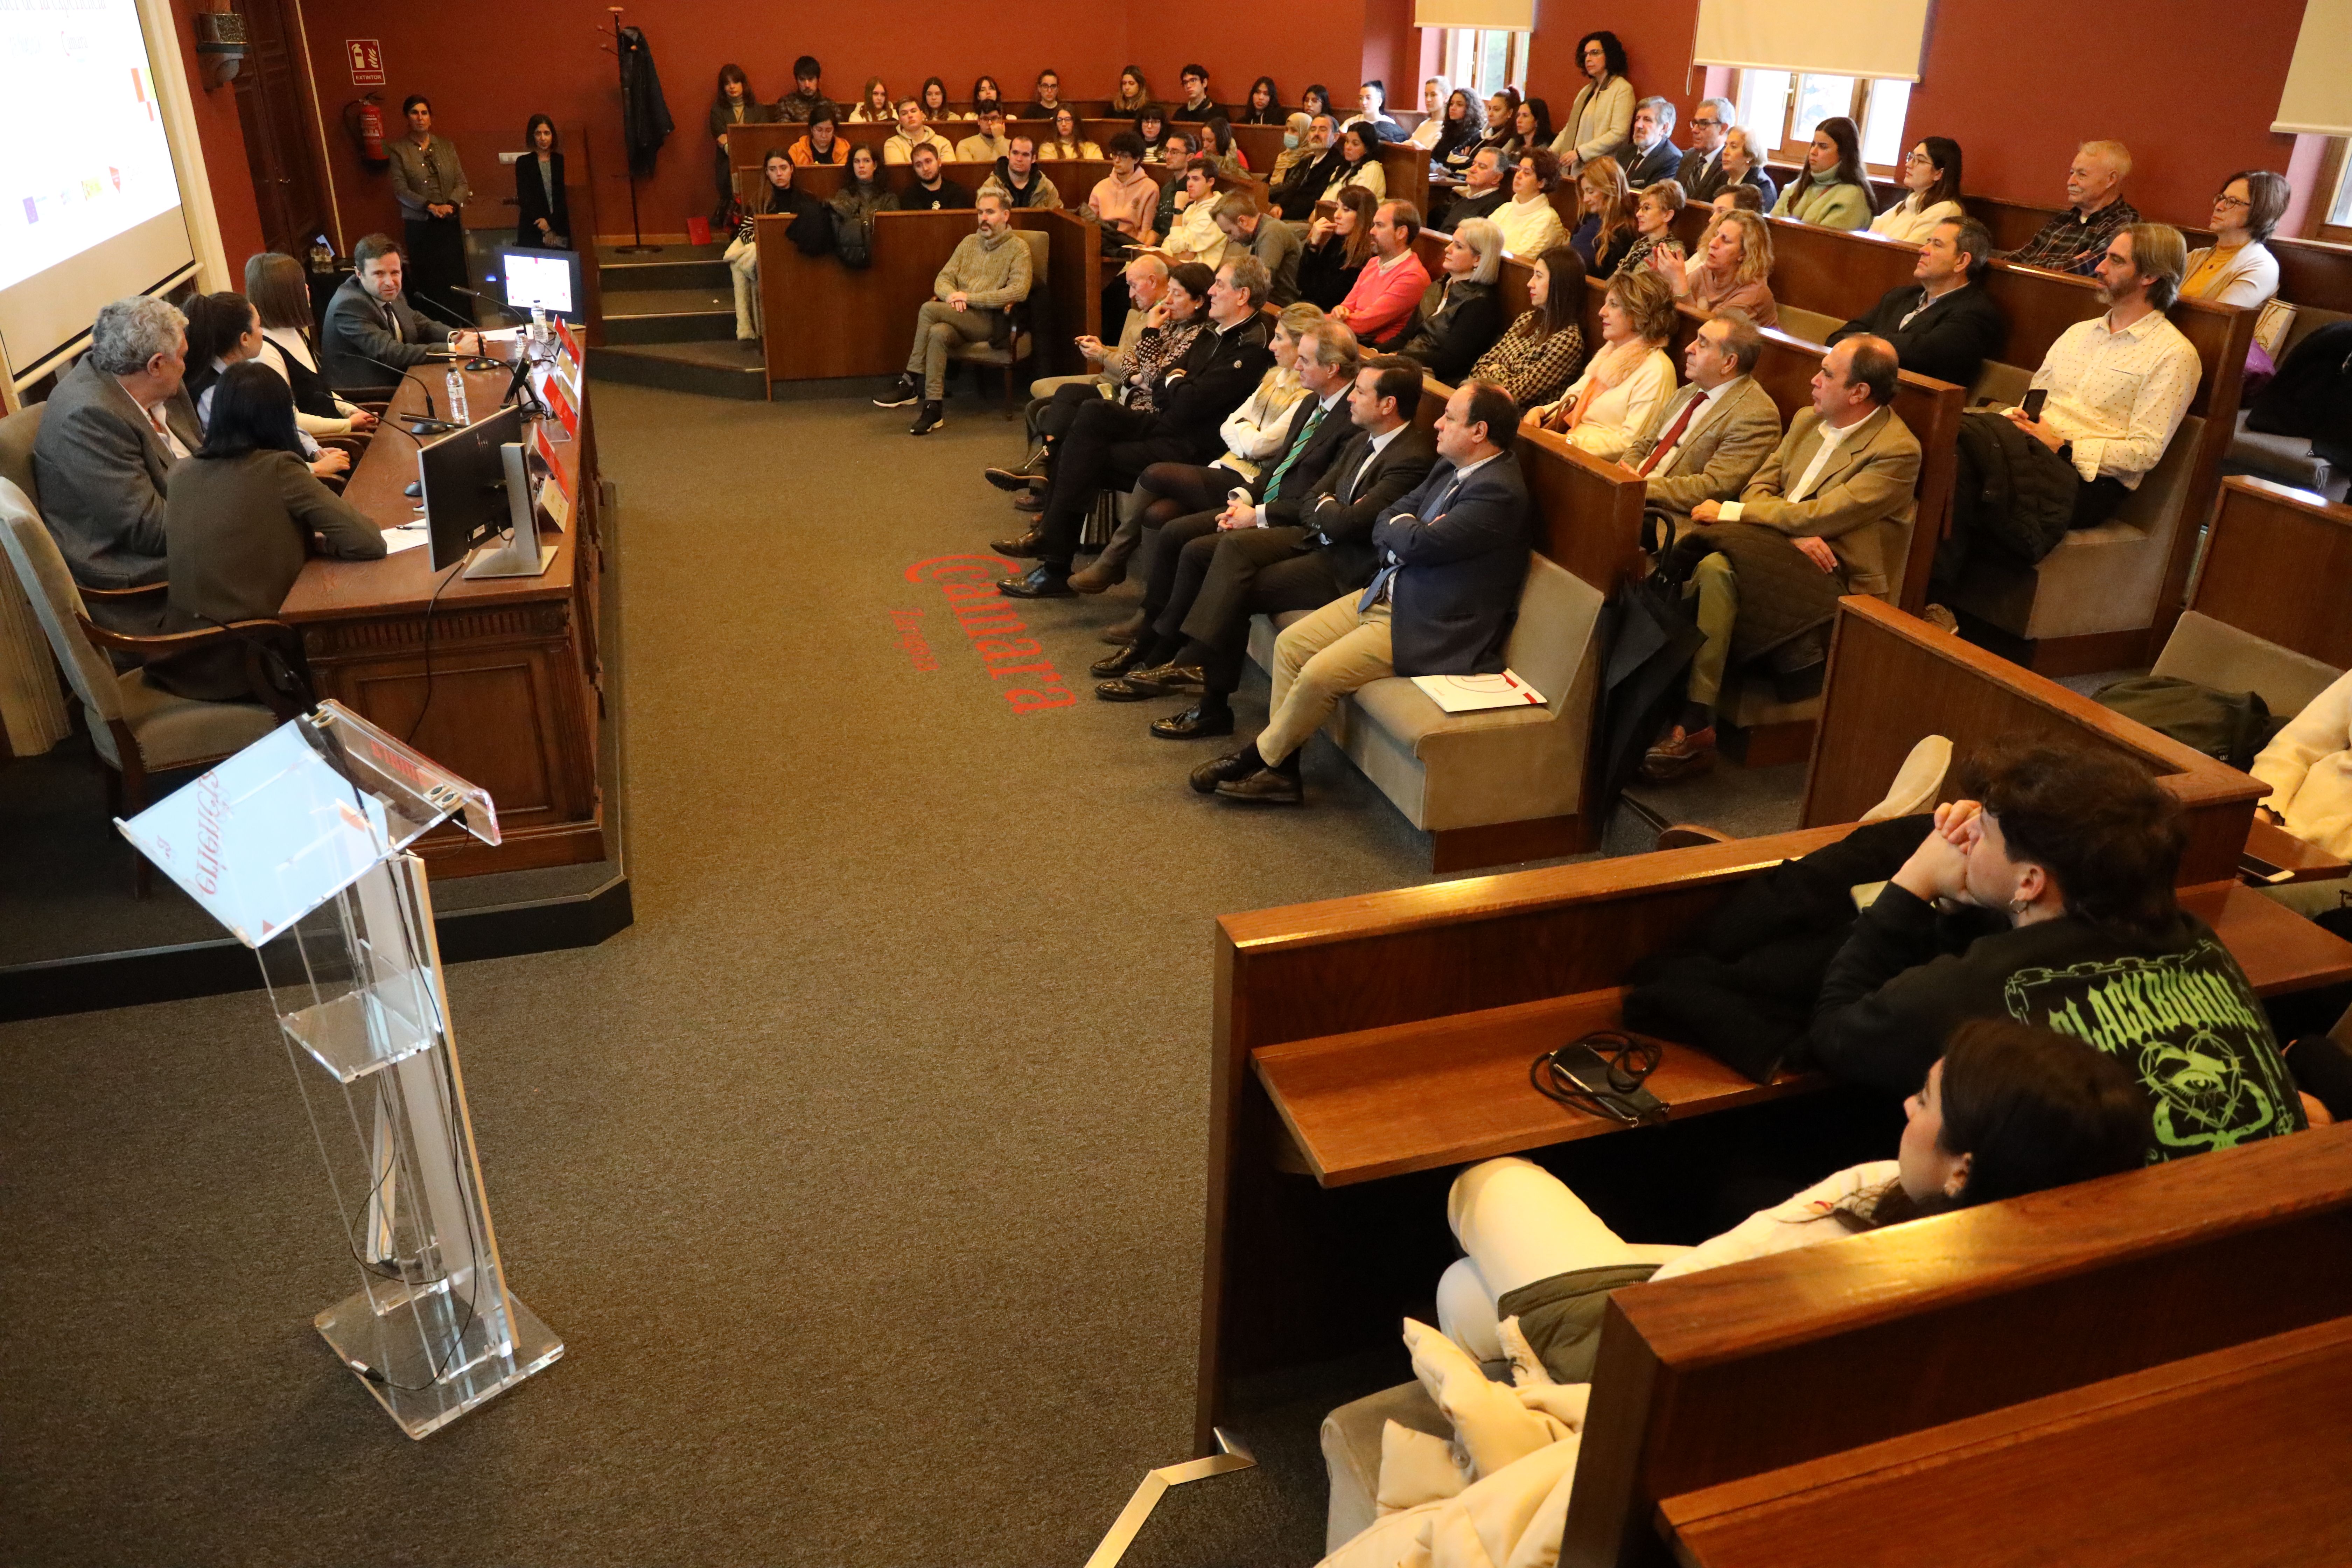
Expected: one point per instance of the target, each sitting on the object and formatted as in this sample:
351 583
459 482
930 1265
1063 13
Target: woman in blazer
546 220
2238 268
734 104
1600 122
1832 190
1741 166
239 518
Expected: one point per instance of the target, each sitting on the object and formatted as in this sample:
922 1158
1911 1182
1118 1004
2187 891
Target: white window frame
1471 43
1770 115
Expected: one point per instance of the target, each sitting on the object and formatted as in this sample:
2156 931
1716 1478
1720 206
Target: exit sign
367 61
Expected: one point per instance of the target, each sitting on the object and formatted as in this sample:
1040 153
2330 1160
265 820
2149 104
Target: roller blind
1516 14
1834 37
2319 96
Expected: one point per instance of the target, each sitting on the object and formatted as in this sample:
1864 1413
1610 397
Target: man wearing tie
110 435
1709 438
1451 558
367 321
1828 514
1701 174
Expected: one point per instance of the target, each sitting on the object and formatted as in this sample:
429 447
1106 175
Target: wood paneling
2278 563
497 678
1895 680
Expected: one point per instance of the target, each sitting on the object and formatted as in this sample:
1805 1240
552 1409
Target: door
278 142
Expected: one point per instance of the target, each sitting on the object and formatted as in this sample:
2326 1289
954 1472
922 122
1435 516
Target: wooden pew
1738 1372
1363 1045
2278 563
1406 169
2094 1477
823 319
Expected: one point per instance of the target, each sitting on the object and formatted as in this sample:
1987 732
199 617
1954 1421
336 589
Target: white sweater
2309 768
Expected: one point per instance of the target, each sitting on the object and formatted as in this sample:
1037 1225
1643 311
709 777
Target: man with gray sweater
987 275
110 433
1275 243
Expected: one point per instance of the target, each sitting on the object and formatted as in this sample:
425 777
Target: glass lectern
299 846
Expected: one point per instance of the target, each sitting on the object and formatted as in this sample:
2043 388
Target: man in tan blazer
1828 514
1709 440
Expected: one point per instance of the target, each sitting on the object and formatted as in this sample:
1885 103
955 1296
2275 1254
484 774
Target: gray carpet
862 1177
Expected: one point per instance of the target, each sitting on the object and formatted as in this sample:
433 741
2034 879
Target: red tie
1673 436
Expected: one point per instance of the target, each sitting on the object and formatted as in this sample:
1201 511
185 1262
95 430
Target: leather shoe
1024 548
1680 755
1267 786
1096 577
1029 501
1194 725
1126 633
1123 690
1111 664
1043 581
1167 679
1012 479
1228 769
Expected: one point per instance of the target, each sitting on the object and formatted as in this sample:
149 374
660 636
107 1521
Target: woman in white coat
1600 123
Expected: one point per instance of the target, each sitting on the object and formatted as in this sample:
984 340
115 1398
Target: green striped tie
1297 447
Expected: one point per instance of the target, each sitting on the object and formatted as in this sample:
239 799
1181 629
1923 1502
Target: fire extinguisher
363 120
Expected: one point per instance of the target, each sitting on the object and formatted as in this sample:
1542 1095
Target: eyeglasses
1921 159
1705 124
2231 202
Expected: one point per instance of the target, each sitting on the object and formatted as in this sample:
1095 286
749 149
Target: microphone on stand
480 362
431 424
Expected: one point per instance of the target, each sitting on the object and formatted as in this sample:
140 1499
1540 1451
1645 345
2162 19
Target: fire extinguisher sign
367 61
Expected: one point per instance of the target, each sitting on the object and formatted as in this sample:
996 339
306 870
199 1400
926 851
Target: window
1780 110
2339 211
1485 60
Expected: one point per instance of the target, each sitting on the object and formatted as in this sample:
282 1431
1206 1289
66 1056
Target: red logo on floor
991 625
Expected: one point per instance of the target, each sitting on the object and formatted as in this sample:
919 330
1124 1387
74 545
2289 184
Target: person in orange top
822 145
1380 306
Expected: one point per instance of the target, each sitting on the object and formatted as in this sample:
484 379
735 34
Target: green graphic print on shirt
2187 1025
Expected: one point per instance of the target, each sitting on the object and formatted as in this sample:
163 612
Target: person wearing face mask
1942 323
1313 173
2044 894
1295 150
2076 241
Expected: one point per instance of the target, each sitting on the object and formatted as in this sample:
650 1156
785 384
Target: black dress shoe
1024 548
934 414
1125 690
1029 501
1014 479
1112 664
1045 581
1194 725
1267 786
1227 769
1169 679
1126 633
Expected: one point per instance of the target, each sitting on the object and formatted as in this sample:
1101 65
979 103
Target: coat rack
628 157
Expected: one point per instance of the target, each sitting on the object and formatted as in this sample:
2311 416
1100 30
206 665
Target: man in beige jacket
1832 508
1709 440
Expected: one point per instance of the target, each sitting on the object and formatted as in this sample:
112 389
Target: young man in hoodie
987 275
1018 179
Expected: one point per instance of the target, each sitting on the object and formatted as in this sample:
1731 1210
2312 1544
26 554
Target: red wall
2191 98
222 138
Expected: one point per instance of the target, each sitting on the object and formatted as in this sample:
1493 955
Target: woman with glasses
1932 176
2238 268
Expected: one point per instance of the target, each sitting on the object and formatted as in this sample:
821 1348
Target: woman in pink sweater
1380 308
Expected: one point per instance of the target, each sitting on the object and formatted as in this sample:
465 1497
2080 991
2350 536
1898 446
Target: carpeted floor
862 1177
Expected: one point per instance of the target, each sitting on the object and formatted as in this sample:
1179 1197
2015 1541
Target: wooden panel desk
2092 1478
2278 563
496 678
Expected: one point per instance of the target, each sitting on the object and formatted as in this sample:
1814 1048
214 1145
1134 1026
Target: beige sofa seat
1352 1454
1446 771
2217 654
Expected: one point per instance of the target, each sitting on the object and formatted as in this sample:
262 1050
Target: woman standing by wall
433 192
545 219
735 104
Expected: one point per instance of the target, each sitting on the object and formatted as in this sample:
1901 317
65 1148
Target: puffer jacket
2021 507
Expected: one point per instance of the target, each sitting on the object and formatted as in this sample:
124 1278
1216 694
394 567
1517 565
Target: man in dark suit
110 435
1653 155
1294 198
367 321
1701 172
1483 189
1944 324
1452 557
1110 444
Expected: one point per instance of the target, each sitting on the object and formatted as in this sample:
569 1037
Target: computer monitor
464 478
548 280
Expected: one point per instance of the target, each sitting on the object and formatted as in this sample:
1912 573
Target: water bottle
458 398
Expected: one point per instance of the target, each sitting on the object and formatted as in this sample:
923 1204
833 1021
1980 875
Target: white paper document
1470 693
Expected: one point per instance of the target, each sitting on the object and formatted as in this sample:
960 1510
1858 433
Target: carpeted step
636 275
670 316
715 369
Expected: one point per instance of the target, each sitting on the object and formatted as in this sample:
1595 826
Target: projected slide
87 159
88 204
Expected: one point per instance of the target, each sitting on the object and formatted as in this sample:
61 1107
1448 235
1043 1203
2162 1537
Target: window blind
1519 15
1833 37
2319 97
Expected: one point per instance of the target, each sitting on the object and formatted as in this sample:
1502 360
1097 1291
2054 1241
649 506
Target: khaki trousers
938 327
1332 652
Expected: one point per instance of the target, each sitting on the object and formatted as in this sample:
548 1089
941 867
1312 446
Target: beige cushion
1351 1453
2217 653
1810 326
16 434
173 731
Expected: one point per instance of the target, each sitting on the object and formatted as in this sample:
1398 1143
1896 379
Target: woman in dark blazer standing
238 524
546 221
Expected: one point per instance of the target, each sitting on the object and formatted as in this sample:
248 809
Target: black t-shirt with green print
2177 1011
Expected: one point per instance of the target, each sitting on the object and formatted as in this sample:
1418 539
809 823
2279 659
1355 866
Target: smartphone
2034 402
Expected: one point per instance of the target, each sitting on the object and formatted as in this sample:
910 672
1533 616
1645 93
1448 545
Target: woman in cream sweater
1530 222
1932 175
2238 268
1630 378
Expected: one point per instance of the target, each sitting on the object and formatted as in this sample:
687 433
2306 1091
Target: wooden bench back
1786 1358
2278 563
1894 679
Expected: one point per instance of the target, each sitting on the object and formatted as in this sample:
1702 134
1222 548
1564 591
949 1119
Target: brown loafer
1024 548
1267 786
1680 755
1124 634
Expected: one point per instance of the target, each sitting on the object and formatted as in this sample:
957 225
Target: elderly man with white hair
110 435
1700 174
2076 241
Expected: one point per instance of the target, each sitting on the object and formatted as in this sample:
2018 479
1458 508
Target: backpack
853 239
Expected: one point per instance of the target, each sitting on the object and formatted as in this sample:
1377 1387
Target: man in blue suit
1452 556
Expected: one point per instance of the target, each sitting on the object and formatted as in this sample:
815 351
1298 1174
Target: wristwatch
2066 453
